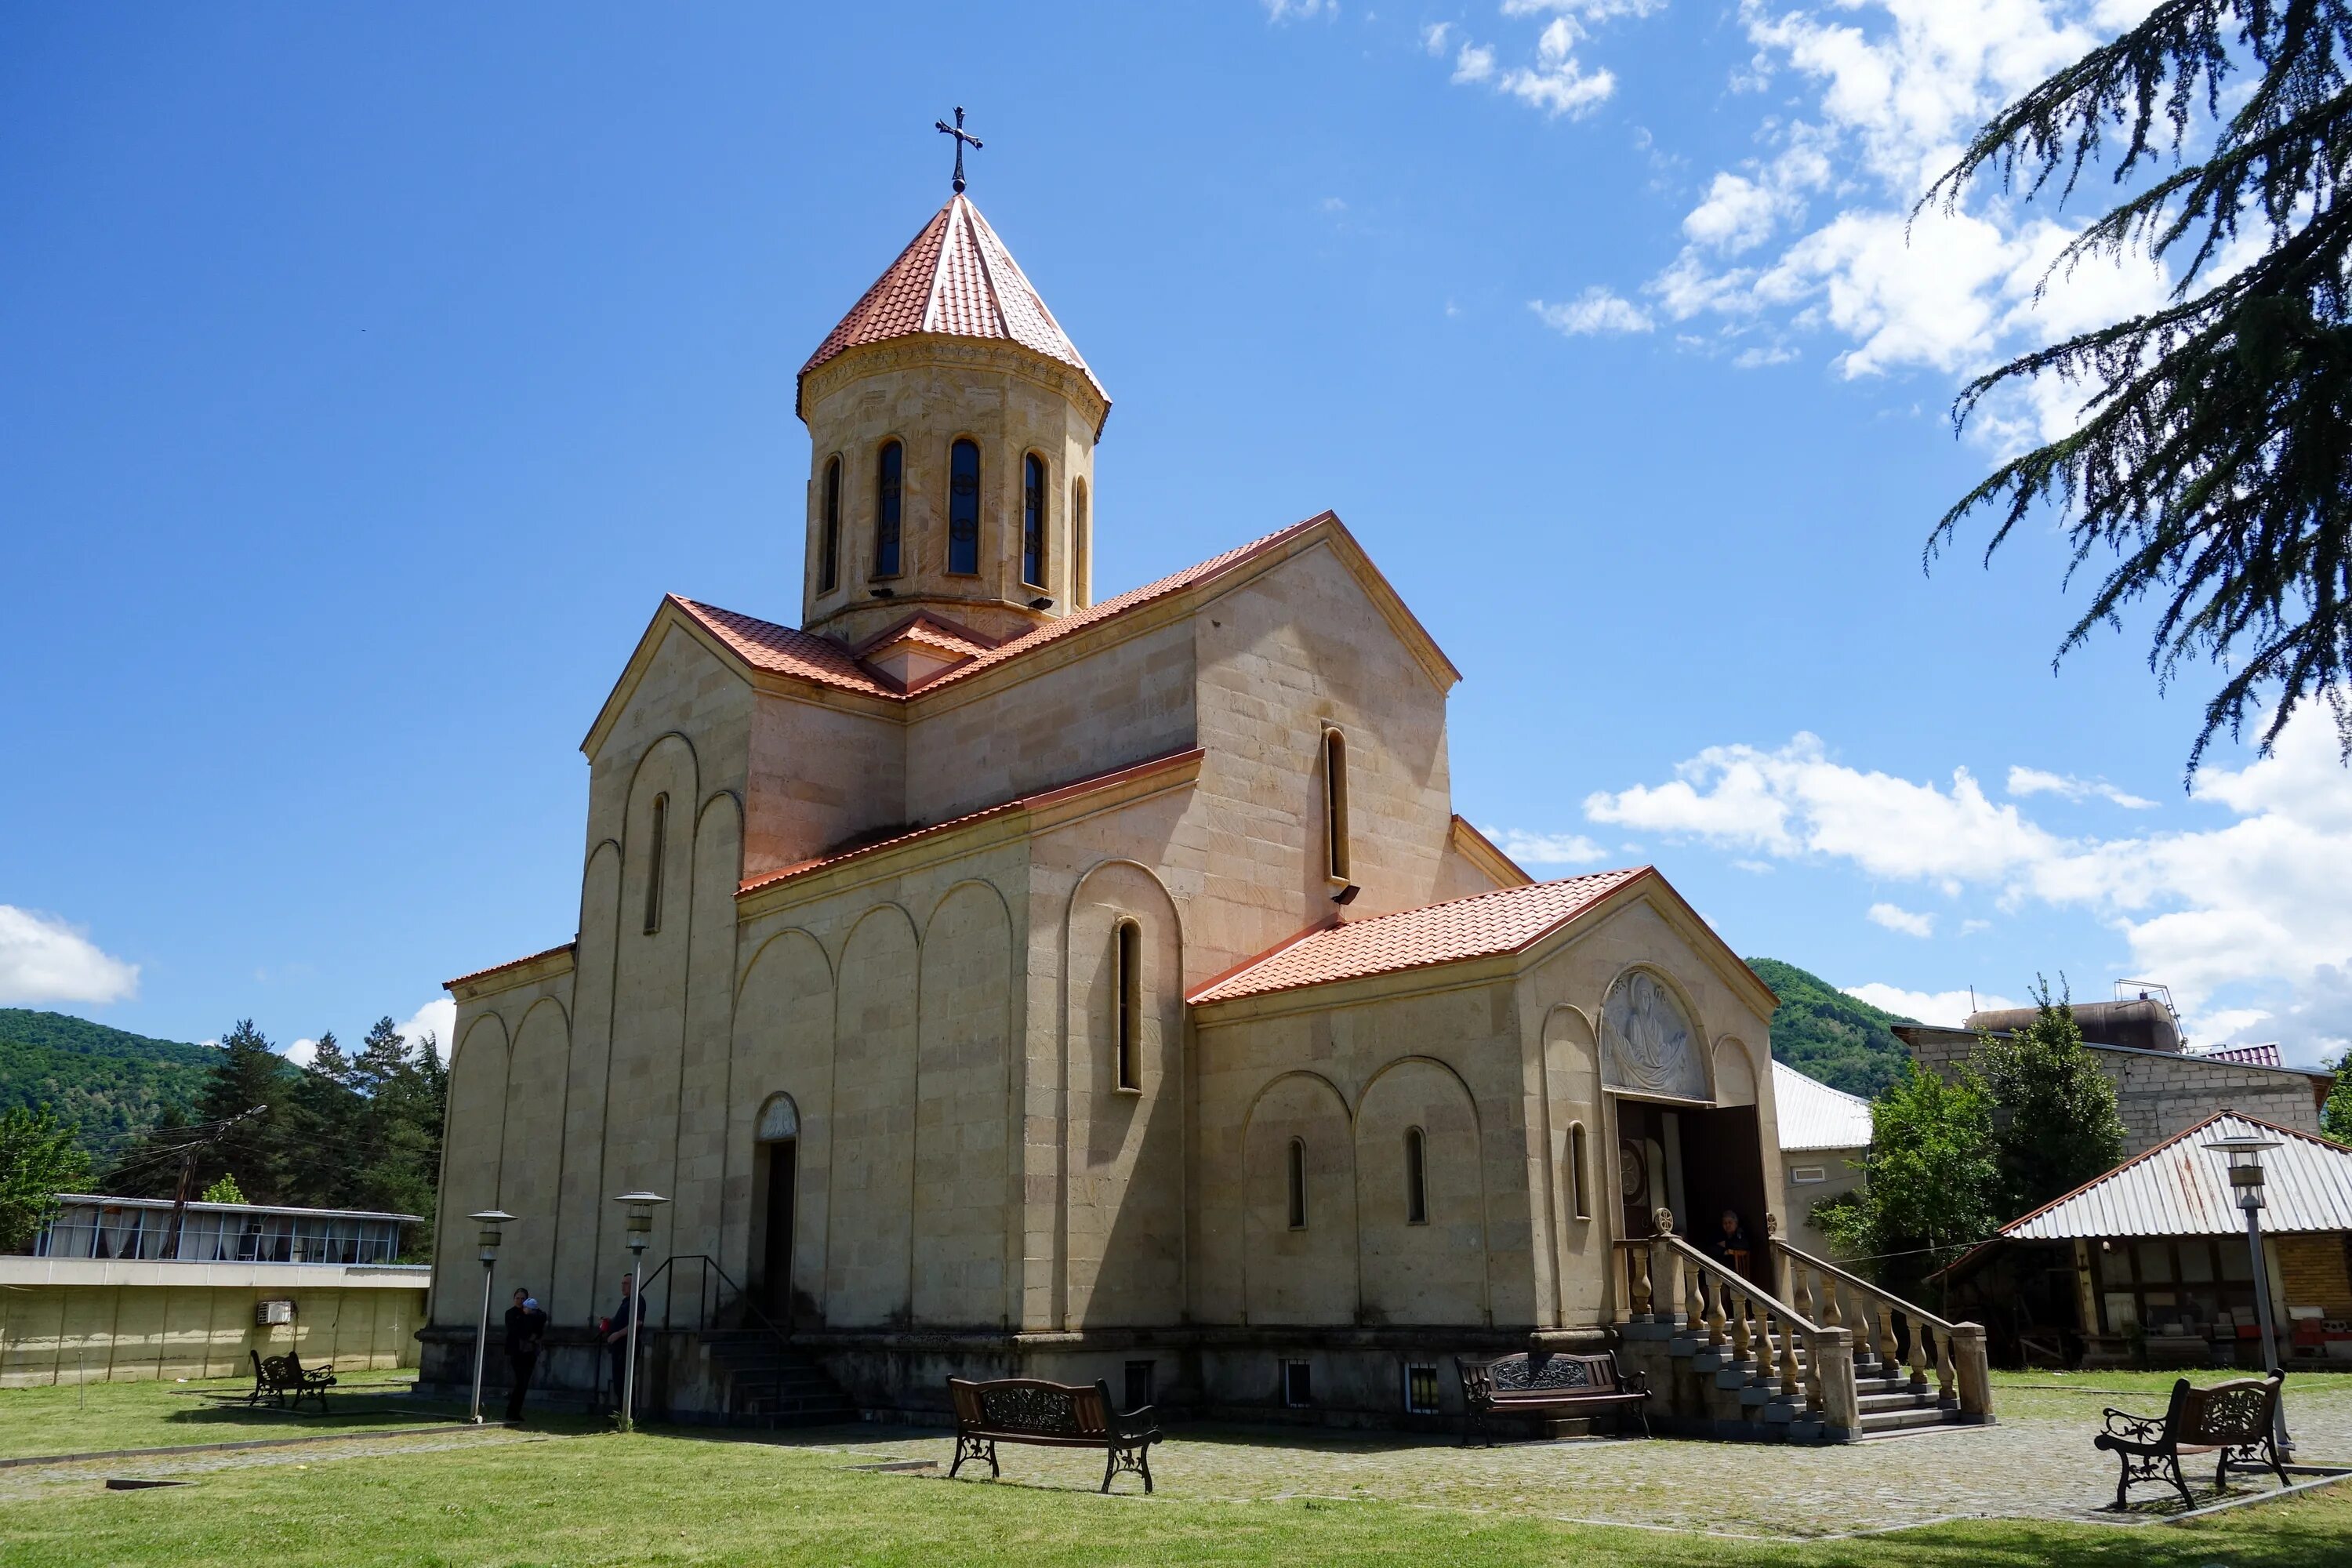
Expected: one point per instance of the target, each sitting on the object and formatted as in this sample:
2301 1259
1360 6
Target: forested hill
1825 1034
105 1081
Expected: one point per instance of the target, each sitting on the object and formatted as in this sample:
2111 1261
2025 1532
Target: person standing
617 1329
526 1330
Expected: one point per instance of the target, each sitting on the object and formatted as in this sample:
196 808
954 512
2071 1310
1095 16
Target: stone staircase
1831 1359
765 1382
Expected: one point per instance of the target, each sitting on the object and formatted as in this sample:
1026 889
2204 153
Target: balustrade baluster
1831 1317
1888 1355
1946 1378
1918 1353
1717 1304
1740 1305
1637 1265
1791 1374
1696 1300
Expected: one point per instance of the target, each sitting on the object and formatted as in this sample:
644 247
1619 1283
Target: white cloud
1474 63
438 1018
1558 83
2254 908
1594 310
1545 849
1948 1008
1434 37
302 1053
2023 781
1301 10
1896 918
1892 90
46 959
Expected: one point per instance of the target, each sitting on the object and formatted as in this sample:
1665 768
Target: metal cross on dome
961 136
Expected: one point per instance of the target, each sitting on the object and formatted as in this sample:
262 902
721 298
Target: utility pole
188 1171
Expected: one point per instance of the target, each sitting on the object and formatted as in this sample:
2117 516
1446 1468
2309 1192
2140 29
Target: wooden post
1834 1367
1970 1371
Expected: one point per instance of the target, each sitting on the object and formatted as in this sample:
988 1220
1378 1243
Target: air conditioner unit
268 1313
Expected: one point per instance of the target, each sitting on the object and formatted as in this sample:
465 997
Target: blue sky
366 376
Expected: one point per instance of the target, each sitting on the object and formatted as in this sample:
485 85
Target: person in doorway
1729 1246
617 1329
526 1329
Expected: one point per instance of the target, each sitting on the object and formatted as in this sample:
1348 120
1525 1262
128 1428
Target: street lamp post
640 1233
2245 1156
491 1221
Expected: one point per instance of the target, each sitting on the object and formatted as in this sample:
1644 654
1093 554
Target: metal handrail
707 1315
1917 1314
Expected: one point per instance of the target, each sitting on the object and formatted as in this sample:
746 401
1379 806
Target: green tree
224 1191
1929 1178
39 1158
397 1151
246 1076
2054 1123
2336 1116
2214 463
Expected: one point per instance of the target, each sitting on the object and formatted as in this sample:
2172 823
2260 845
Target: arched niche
1735 1072
1649 1043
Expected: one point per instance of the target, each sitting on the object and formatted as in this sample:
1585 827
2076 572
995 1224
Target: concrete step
1902 1400
1874 1422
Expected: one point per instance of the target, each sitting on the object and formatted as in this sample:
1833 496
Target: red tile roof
1003 808
511 964
782 651
930 631
955 279
1482 925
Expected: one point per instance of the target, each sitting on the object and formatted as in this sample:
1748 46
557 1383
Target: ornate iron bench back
1047 1409
1536 1372
2224 1415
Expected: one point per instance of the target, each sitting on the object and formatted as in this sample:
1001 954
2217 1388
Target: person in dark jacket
616 1330
1729 1244
526 1330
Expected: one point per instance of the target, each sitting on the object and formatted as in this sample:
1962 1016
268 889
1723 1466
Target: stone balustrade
1827 1357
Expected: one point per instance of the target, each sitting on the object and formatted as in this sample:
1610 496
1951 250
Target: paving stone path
2037 1463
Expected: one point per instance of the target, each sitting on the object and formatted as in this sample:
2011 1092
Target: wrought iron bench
1055 1415
1545 1383
284 1378
2235 1420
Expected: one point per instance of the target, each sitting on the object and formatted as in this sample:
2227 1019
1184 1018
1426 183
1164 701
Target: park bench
1550 1384
2235 1420
284 1378
1053 1415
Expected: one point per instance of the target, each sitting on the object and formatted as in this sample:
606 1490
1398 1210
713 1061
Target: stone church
998 978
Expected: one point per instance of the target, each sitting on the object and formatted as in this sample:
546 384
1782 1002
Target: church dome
951 429
954 279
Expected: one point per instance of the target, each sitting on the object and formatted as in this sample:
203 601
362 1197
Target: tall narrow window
963 507
653 864
890 493
1033 519
1579 1194
1082 548
1129 977
1416 1179
1298 1185
828 550
1335 805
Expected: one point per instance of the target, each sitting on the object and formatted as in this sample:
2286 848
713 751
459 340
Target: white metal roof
2181 1187
1815 1116
198 1206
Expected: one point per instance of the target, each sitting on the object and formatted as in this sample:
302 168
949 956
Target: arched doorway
776 1162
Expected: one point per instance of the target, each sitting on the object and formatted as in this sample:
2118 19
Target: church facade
1000 980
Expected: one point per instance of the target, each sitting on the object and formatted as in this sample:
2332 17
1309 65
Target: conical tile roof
955 279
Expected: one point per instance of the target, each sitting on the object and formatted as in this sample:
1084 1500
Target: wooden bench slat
1050 1415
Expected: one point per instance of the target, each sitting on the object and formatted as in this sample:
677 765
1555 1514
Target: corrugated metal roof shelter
1813 1115
2181 1187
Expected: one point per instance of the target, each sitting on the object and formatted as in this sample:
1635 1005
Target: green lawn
106 1415
586 1496
666 1498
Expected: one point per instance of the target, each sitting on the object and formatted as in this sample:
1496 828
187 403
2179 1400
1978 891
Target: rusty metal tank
2142 1024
